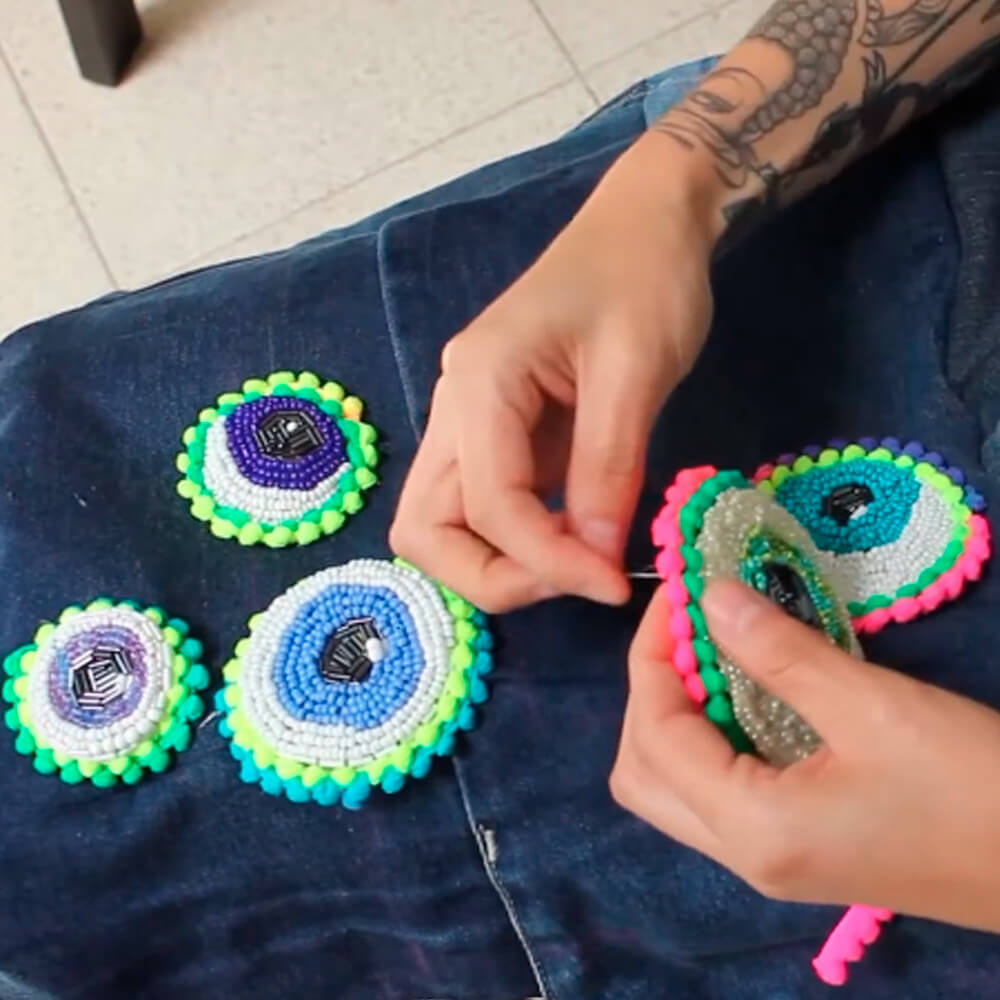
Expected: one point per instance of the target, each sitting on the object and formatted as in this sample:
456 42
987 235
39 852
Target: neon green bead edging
283 462
353 679
105 693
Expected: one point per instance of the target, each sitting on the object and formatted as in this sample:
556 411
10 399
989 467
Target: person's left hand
900 807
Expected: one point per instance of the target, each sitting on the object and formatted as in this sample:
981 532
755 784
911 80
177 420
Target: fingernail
602 536
732 607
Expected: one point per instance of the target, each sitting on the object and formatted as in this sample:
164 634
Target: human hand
897 809
552 391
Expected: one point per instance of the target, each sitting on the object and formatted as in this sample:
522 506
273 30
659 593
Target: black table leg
104 35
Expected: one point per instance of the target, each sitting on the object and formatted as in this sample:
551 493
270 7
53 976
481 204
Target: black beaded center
847 501
788 590
346 656
287 434
99 676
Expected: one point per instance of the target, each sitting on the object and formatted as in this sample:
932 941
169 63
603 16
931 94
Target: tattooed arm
814 85
613 314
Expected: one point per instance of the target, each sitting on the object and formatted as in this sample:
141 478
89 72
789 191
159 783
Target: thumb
617 401
797 664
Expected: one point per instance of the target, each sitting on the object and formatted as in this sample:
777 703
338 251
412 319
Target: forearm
814 85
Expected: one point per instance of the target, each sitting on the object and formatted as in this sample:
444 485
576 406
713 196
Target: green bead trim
465 687
360 446
185 705
718 707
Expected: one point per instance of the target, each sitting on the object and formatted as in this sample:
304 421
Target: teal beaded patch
903 527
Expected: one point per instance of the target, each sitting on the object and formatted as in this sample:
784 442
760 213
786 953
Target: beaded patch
715 524
106 693
283 462
355 677
904 527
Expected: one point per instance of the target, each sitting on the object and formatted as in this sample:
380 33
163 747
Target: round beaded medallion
715 524
105 693
904 528
355 677
281 463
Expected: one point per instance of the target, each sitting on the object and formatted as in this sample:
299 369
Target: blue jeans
871 308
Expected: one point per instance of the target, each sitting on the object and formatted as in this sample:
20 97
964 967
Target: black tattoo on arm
853 130
896 29
816 35
733 110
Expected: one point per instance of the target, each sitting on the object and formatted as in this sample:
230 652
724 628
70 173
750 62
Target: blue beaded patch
355 678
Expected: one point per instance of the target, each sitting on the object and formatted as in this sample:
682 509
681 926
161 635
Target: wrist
677 178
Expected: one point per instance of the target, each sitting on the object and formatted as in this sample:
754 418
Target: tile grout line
567 54
60 172
686 23
381 169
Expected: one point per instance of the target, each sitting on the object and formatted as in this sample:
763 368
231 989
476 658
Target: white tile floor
246 125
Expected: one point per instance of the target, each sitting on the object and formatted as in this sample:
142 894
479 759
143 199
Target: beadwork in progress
283 462
106 693
905 529
356 677
847 538
716 525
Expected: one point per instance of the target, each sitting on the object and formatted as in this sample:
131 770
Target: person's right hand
552 391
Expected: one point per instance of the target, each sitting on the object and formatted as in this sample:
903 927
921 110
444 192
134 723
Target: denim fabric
508 872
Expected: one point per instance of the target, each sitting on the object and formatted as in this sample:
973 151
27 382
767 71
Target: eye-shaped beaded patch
355 677
715 524
106 693
283 462
903 527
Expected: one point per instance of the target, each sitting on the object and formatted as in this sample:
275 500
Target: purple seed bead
812 450
955 474
975 499
787 458
838 444
304 472
914 449
933 458
868 443
891 443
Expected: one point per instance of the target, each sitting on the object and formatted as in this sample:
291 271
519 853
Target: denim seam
397 352
955 306
541 980
491 873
